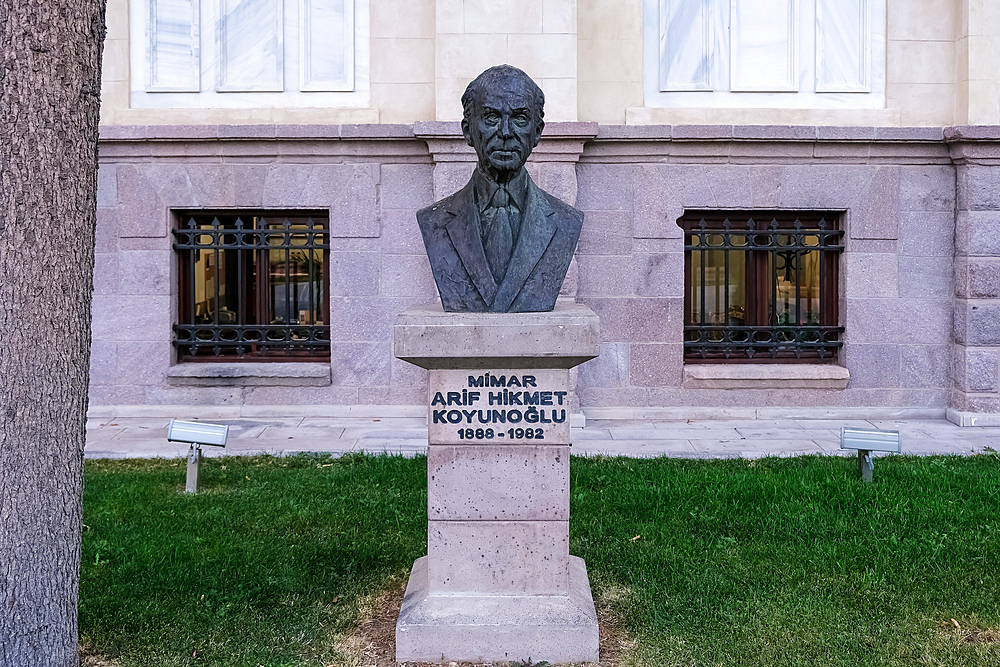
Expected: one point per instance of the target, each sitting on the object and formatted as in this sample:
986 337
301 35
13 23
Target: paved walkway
145 437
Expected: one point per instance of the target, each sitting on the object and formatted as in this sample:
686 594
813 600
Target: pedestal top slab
429 337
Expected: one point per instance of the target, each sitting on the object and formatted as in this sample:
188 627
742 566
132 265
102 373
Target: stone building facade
889 127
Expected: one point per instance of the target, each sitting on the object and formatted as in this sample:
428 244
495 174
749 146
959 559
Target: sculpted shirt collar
486 188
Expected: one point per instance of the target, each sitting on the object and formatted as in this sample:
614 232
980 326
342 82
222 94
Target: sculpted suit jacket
549 231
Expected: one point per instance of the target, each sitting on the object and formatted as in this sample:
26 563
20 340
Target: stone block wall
916 300
977 261
371 180
896 273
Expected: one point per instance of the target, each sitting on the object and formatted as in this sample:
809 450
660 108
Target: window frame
769 341
198 81
717 86
248 339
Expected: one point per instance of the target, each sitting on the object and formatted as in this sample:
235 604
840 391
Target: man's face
503 129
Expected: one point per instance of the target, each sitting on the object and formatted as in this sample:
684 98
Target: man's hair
492 77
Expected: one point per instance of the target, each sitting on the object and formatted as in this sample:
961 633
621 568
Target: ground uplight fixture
196 434
866 442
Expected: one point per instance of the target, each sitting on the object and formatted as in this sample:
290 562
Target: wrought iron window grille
253 287
734 273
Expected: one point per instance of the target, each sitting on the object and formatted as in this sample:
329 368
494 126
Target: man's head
503 119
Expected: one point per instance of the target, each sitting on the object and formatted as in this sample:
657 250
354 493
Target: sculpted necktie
499 241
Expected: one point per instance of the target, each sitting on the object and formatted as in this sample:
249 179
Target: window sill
251 374
764 376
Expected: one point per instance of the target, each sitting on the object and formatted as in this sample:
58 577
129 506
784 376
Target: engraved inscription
498 407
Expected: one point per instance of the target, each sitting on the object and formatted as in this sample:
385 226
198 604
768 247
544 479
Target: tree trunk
50 64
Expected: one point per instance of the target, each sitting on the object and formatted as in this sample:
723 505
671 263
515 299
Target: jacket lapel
537 229
463 230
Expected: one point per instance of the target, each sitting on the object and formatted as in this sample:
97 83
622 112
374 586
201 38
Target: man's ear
538 132
466 133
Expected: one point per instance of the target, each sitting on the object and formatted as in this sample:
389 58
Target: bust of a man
500 244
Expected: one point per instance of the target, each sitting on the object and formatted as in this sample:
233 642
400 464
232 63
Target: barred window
761 286
253 286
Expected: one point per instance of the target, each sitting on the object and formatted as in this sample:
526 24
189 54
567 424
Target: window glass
252 286
761 286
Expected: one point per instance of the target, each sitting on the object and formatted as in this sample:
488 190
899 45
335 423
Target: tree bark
50 63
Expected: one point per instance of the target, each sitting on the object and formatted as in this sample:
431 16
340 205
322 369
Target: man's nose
505 127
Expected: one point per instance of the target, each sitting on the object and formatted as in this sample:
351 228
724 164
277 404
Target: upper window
765 53
761 286
248 53
252 286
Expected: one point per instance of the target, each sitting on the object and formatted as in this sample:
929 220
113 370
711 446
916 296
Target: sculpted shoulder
440 212
567 215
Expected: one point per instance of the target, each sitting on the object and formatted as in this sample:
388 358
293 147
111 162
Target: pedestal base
479 628
498 583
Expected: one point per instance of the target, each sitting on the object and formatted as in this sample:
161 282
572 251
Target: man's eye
492 118
521 119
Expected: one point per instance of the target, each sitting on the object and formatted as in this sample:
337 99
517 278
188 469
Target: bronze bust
500 244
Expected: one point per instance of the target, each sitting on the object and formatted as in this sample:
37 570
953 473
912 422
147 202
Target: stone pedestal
498 582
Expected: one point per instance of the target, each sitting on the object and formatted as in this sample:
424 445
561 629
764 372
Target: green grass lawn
766 562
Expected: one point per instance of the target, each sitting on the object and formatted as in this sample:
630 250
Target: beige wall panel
962 59
537 36
920 62
606 101
403 18
559 16
984 102
321 116
468 55
404 102
609 64
115 64
115 67
610 60
981 24
979 16
836 117
923 103
449 16
510 16
402 60
560 98
543 56
116 17
924 19
982 56
114 99
961 101
448 97
610 19
458 60
125 116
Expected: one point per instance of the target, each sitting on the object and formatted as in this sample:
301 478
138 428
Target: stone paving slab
279 432
281 447
771 433
386 433
633 448
756 448
581 434
702 430
275 434
388 422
